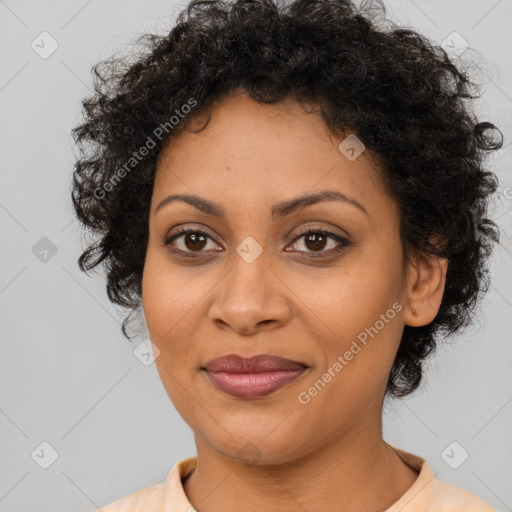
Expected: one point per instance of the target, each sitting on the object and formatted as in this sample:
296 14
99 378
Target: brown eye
194 241
316 240
188 241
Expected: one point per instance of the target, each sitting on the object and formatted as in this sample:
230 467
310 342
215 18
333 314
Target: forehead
253 153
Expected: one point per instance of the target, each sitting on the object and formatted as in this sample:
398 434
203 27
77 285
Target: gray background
67 375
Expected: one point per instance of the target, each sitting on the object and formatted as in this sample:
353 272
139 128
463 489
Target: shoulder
429 494
446 497
165 496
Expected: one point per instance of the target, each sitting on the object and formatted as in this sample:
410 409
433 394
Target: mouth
252 377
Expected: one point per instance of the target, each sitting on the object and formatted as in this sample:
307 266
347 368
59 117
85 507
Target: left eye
316 240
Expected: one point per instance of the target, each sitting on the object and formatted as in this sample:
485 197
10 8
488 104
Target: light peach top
427 494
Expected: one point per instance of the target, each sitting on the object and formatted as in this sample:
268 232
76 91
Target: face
250 282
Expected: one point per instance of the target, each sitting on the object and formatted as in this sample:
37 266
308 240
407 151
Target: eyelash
343 243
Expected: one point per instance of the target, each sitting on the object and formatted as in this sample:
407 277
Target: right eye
193 241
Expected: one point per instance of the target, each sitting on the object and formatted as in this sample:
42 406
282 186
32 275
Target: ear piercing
414 312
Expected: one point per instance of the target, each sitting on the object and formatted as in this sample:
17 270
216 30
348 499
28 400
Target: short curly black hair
405 98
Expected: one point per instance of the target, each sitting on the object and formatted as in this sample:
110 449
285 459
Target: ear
426 281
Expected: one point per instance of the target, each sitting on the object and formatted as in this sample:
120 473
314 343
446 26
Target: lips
252 377
255 364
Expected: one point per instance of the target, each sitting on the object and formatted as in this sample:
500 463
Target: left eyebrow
281 209
291 205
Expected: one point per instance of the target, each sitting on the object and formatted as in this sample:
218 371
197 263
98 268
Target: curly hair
403 96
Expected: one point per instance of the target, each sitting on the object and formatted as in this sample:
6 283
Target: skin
328 454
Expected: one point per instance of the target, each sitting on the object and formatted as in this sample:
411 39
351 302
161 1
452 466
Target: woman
296 200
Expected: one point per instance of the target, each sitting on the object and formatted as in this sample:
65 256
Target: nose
250 298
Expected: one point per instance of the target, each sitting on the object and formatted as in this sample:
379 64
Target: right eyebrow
198 202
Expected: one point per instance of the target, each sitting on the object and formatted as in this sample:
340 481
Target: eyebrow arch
278 210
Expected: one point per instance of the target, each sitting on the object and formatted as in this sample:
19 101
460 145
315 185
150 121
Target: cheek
168 295
173 306
348 300
166 300
358 312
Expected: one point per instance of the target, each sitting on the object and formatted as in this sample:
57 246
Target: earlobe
427 281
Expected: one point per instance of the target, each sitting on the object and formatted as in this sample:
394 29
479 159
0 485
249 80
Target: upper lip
233 363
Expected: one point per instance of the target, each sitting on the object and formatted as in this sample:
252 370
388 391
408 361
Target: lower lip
253 385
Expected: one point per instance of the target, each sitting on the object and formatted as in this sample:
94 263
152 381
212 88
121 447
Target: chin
257 444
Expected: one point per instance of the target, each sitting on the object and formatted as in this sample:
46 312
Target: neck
353 473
